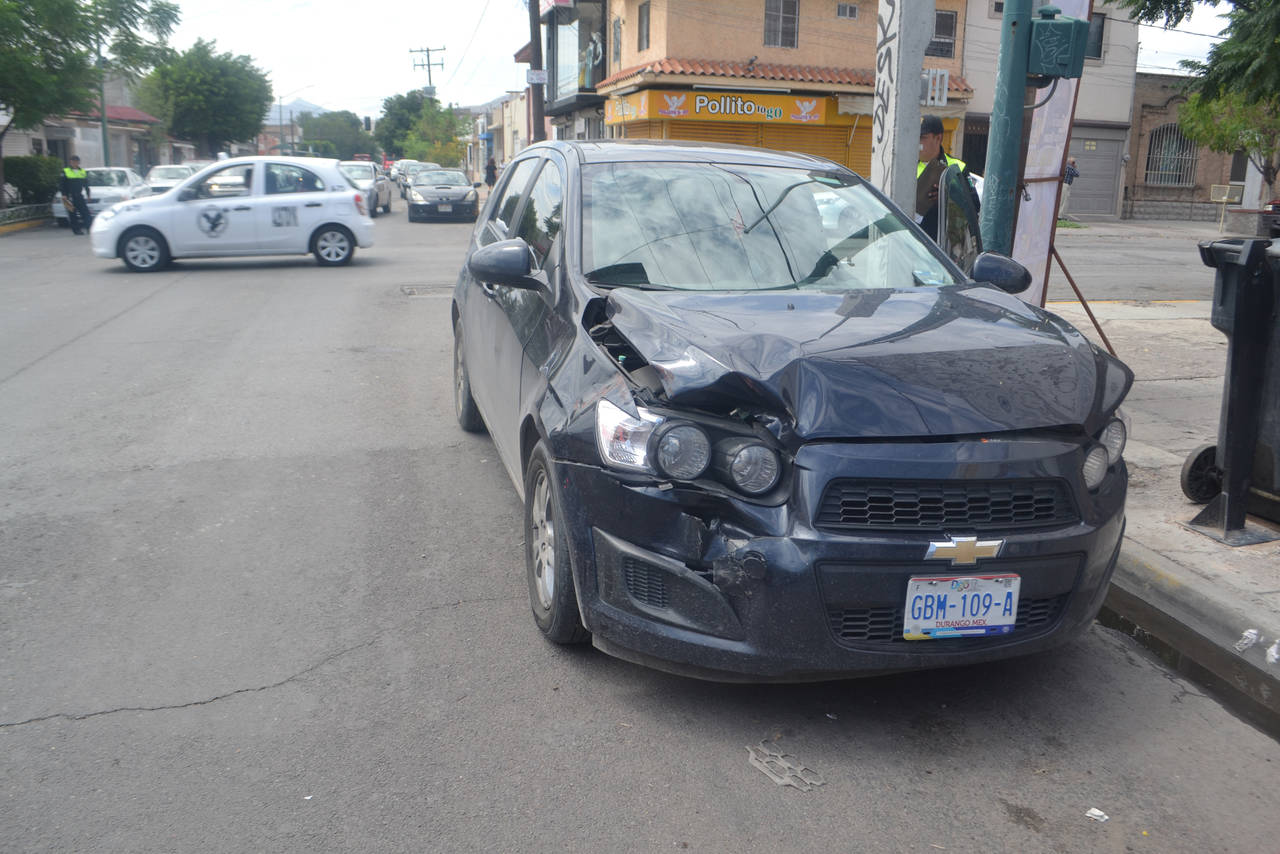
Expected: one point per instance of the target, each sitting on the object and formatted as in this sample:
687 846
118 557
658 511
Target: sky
349 56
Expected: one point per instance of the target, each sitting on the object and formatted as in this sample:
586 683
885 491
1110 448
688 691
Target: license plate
444 208
960 606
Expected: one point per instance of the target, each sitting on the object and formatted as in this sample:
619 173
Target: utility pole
538 132
428 64
903 28
1004 154
102 107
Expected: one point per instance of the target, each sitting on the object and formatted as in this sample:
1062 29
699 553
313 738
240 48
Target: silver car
107 185
163 178
372 181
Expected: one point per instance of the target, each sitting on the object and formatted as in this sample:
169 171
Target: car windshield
706 226
168 173
357 171
440 178
108 178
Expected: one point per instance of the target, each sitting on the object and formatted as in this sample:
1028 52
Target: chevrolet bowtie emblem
964 550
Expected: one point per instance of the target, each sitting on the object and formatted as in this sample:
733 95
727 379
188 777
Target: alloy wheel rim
142 251
333 245
544 542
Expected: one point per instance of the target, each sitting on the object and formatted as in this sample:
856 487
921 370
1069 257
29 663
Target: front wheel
546 550
386 209
464 405
143 250
333 246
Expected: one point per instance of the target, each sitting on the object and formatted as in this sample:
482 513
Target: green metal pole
1004 145
102 109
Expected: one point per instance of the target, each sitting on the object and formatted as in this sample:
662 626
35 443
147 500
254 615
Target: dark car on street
764 429
443 194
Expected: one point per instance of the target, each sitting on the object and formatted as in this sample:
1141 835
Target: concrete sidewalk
1211 610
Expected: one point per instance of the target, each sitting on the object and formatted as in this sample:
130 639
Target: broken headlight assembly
677 449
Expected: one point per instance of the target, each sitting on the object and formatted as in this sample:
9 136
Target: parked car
443 193
373 181
407 173
241 206
754 446
107 185
165 177
1271 218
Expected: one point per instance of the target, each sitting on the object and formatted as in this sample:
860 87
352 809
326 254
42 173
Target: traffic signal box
1057 44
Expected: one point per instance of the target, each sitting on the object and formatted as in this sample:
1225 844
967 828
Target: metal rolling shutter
737 133
831 143
643 130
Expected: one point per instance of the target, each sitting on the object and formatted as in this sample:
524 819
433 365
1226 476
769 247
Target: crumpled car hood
866 364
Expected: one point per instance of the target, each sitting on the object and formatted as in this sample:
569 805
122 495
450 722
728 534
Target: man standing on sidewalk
74 187
1068 175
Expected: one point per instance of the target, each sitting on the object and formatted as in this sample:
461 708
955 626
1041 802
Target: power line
475 30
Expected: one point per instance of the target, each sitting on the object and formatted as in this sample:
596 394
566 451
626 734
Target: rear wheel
463 403
333 246
546 549
143 250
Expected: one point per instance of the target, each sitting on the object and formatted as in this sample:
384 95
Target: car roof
267 158
640 150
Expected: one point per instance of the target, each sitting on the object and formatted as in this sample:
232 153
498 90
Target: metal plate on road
960 606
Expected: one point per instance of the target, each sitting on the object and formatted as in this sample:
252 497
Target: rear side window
285 178
540 222
499 226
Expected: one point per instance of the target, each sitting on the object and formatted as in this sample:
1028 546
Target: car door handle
244 208
315 204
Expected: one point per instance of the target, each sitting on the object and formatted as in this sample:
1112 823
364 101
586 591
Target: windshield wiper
774 206
626 275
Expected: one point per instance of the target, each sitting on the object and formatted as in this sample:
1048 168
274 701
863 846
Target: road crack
76 717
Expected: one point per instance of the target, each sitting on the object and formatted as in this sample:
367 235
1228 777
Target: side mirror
188 194
507 262
477 185
1003 272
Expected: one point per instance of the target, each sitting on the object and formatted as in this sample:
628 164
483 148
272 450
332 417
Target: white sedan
241 206
107 185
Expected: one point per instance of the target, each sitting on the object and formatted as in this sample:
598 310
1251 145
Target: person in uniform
931 149
74 188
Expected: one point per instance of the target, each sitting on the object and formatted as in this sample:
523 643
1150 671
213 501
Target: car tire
63 222
386 209
333 246
464 405
546 550
143 250
373 209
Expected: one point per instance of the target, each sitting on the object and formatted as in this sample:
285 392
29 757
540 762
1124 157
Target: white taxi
241 206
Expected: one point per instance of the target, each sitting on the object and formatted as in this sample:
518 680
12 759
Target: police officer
74 187
931 131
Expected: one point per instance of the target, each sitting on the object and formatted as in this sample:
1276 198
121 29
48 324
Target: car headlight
105 215
750 466
472 196
416 196
1113 438
624 440
1095 466
681 451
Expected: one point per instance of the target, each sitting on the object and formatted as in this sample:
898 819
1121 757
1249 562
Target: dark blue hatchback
765 429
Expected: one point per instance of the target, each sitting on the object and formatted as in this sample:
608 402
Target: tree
53 52
208 97
1247 60
400 114
343 129
1233 123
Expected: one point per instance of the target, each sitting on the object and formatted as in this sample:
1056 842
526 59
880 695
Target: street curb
1196 631
22 226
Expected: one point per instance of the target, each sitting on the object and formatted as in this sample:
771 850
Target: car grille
884 625
945 506
645 583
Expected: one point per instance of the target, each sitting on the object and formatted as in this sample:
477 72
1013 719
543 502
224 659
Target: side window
540 221
498 226
285 178
226 183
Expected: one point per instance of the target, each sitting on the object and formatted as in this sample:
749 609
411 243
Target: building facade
1100 133
1168 176
786 74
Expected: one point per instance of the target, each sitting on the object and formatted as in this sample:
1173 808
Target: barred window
944 35
617 41
642 27
1171 158
1239 167
1097 29
781 23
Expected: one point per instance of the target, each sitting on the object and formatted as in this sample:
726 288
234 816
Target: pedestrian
490 174
1068 175
934 159
74 187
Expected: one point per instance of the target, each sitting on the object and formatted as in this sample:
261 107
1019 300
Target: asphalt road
259 593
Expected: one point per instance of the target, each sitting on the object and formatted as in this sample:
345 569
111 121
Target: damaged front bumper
709 585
